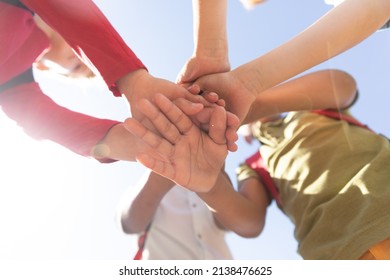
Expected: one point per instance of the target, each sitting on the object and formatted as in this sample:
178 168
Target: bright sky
54 204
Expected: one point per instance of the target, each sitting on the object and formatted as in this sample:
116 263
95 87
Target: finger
221 102
176 116
156 142
186 75
189 108
233 124
163 125
204 116
232 120
161 167
194 89
199 99
217 128
232 147
231 138
210 96
202 119
181 80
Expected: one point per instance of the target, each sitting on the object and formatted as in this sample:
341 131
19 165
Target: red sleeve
42 118
21 41
90 34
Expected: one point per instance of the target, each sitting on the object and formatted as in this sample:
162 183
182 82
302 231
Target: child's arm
135 216
326 89
210 53
337 31
242 212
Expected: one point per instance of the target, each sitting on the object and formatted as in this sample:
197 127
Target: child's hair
251 3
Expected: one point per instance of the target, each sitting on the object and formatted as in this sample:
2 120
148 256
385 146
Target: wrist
213 49
217 195
249 78
128 83
216 190
158 186
115 145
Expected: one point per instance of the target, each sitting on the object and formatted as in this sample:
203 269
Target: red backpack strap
334 114
141 244
256 163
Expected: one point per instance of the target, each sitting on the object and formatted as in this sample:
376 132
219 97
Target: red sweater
21 42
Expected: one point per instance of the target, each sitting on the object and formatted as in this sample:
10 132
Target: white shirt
183 228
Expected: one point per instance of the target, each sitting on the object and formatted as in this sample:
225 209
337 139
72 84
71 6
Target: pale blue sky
54 204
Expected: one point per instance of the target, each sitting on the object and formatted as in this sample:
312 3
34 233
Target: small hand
233 91
192 158
140 84
203 118
199 66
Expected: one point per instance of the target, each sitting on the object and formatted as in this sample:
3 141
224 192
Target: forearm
138 214
210 54
18 50
210 36
117 144
242 215
42 118
326 89
340 29
84 27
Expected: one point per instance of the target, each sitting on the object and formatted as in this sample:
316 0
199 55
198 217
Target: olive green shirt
333 180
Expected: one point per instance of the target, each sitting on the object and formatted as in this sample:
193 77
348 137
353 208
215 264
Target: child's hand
202 119
231 89
144 86
197 67
192 157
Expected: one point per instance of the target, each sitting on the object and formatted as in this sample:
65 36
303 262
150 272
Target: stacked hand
186 154
235 92
212 73
145 86
200 66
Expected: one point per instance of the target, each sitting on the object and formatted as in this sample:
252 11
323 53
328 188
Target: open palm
189 156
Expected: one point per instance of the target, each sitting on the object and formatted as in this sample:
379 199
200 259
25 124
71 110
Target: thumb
187 74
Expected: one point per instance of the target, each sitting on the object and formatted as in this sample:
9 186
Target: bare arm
326 89
118 144
247 208
354 20
210 35
210 53
137 215
337 31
